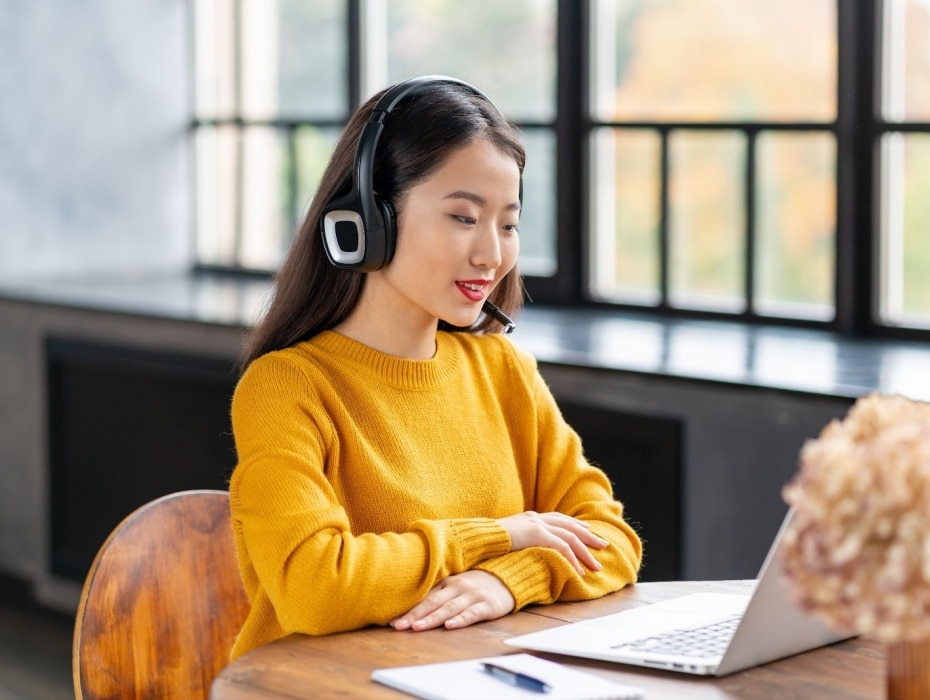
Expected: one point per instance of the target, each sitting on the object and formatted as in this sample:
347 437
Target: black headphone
359 228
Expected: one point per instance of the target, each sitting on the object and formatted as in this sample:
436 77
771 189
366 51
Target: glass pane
795 224
214 61
506 49
314 147
714 60
905 244
264 213
625 250
906 61
707 220
293 59
537 220
216 166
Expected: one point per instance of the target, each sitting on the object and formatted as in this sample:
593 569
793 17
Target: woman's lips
472 289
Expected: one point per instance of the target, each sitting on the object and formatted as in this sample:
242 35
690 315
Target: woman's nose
487 249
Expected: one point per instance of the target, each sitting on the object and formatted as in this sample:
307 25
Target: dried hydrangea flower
857 554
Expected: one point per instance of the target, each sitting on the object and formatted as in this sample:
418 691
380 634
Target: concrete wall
24 510
94 173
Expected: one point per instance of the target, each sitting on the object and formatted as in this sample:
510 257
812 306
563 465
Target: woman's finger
466 598
569 536
581 543
440 595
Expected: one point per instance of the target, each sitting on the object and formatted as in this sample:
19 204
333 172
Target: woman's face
457 236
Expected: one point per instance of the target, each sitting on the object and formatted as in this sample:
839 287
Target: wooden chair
162 602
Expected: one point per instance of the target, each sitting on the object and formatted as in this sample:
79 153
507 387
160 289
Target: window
273 90
270 100
904 247
691 157
714 155
473 41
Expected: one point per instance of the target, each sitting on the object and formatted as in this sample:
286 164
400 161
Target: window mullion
749 193
858 31
664 242
291 220
573 132
354 49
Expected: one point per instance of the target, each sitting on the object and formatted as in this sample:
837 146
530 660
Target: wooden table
340 665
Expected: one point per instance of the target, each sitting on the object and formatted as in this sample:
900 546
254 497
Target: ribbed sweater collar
398 371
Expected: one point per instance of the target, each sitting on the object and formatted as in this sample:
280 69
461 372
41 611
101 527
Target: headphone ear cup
389 217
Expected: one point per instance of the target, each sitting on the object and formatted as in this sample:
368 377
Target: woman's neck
390 333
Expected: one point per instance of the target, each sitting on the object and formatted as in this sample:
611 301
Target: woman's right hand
569 536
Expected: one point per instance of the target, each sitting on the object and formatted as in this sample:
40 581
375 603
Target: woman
400 463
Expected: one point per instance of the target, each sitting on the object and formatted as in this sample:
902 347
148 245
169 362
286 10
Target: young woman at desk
401 462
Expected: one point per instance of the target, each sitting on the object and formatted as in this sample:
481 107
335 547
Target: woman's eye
512 228
464 219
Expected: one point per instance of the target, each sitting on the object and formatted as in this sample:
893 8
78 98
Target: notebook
467 680
765 625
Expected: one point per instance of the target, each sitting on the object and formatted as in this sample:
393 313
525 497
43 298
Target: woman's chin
460 320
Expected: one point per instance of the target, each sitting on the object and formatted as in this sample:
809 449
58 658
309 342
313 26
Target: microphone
499 316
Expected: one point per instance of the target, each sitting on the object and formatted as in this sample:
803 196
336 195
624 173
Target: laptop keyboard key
700 642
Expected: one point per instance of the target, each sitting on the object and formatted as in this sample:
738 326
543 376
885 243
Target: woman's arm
564 482
473 596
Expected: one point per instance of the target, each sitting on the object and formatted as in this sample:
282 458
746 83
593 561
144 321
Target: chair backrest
162 603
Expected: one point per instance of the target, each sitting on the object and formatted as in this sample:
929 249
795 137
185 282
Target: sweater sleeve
566 483
294 539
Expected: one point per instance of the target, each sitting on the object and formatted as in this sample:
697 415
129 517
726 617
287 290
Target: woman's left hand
458 601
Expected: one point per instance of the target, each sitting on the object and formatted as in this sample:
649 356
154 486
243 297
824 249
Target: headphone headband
398 92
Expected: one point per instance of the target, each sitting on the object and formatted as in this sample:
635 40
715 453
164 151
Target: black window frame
858 129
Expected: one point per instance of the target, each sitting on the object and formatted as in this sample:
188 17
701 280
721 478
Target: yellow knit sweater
364 479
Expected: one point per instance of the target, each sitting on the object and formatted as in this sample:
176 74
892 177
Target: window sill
782 358
796 360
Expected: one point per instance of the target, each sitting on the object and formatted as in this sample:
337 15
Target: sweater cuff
466 541
481 539
526 577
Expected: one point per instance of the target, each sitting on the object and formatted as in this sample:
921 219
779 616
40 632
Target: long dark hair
310 294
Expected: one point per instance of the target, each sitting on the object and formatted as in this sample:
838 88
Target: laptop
751 629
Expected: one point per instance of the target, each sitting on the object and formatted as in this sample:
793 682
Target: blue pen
514 678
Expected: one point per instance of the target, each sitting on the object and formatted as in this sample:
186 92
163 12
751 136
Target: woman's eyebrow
477 199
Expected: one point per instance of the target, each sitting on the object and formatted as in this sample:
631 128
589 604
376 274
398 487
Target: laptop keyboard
700 642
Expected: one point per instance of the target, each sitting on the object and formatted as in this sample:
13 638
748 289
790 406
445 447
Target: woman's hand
569 536
458 601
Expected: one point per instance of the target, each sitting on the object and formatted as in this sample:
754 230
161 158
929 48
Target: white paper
467 680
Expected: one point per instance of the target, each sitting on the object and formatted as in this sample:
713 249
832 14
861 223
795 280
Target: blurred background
734 190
